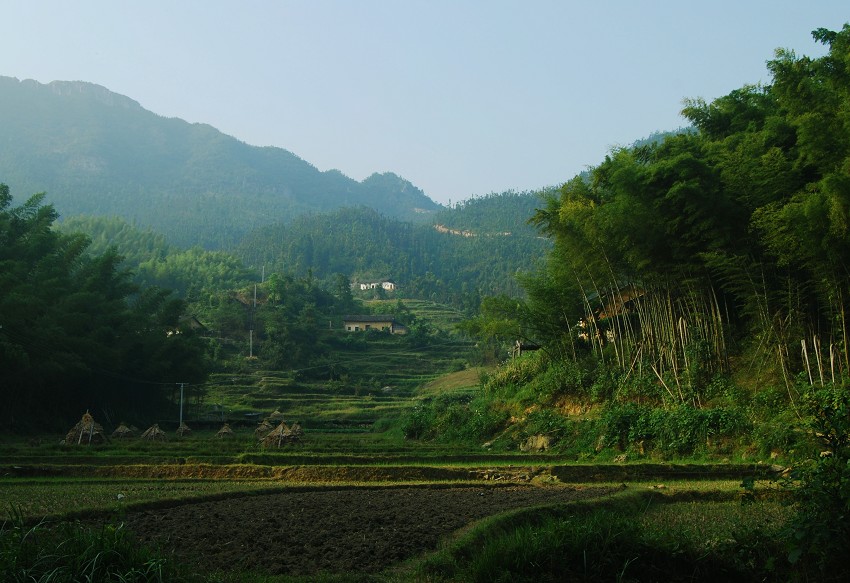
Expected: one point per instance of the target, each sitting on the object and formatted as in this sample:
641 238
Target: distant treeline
423 261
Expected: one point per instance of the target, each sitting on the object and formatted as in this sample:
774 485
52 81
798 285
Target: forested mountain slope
99 153
152 261
424 262
505 214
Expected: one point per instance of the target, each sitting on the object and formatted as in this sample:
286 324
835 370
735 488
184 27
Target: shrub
454 418
681 430
484 421
604 385
779 433
560 378
418 423
618 421
517 371
820 533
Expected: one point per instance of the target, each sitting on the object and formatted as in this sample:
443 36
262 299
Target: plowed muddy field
334 530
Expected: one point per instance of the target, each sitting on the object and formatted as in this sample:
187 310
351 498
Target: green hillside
424 261
504 213
99 153
375 379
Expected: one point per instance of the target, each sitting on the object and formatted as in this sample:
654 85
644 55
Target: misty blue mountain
99 153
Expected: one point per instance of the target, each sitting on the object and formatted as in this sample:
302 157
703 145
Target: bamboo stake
844 334
806 360
663 384
597 331
619 336
816 346
832 361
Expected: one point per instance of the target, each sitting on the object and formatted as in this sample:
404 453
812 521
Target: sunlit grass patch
637 536
707 525
56 497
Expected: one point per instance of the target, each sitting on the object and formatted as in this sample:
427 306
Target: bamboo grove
721 247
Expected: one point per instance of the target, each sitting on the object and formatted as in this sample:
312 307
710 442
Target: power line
31 343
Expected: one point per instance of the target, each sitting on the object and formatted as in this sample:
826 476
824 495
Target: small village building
386 285
382 322
618 302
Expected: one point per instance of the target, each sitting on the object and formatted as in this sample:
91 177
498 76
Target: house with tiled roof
382 322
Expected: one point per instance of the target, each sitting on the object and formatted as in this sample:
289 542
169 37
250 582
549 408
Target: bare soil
363 530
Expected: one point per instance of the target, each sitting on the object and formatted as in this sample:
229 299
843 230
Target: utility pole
181 402
251 333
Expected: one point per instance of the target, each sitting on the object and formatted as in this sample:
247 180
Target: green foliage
580 548
75 332
418 422
691 259
615 541
673 251
778 433
546 422
820 533
192 273
367 246
453 418
680 431
561 378
501 319
72 552
516 372
504 214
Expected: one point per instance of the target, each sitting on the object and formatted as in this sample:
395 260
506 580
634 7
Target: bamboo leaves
738 235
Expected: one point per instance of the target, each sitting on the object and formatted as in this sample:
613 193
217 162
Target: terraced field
374 380
352 496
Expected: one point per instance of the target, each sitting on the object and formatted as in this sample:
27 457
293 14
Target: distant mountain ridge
97 152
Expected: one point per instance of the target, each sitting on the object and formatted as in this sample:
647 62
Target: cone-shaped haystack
263 429
123 432
225 432
275 418
280 436
296 432
153 433
183 430
85 432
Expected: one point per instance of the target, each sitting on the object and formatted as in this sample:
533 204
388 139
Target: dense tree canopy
75 332
155 262
730 236
440 262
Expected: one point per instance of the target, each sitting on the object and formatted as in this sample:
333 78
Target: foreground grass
71 552
672 532
637 537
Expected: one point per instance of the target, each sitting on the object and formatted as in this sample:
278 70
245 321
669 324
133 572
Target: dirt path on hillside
347 530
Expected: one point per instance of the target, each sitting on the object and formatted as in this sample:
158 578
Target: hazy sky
462 98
